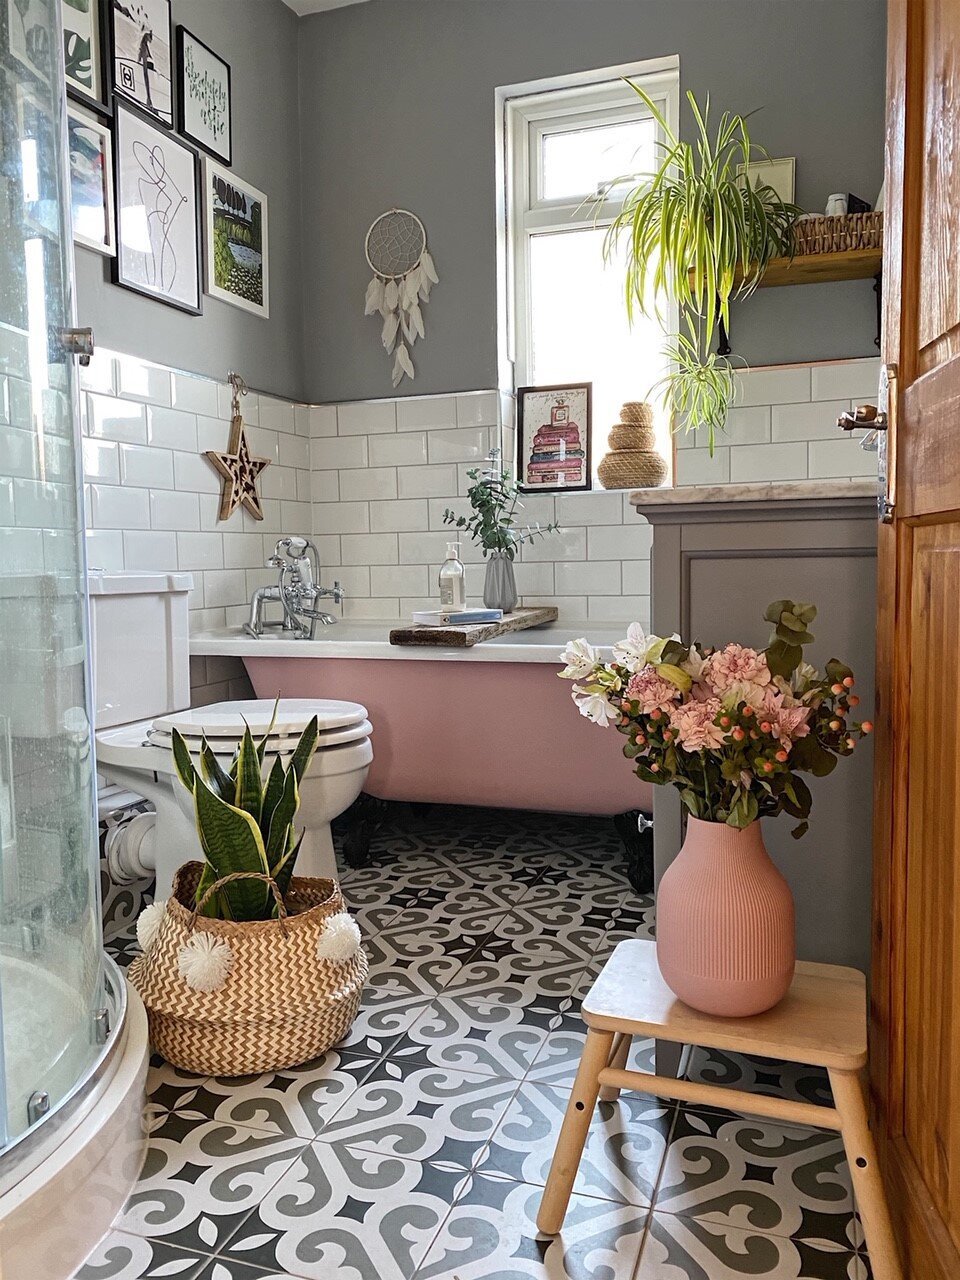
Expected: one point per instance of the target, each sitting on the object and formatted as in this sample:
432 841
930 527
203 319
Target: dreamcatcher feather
396 251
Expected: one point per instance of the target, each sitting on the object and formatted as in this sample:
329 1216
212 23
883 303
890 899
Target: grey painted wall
259 40
398 108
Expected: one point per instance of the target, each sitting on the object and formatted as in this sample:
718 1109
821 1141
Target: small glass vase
500 584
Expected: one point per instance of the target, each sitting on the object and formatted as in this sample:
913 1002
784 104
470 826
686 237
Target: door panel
915 1000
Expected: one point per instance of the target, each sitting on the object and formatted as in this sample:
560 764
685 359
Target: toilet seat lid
226 719
277 744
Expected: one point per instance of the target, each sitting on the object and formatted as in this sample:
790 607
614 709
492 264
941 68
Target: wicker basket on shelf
838 234
633 461
292 988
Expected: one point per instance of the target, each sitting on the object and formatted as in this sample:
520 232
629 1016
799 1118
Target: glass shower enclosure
52 997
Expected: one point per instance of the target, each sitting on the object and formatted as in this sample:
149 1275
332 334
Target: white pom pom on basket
280 1003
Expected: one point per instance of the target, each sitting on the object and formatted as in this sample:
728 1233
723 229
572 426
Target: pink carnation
735 665
651 690
694 725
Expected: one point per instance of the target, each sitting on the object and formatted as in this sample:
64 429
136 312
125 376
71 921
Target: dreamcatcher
396 249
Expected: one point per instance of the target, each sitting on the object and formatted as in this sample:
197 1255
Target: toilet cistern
297 591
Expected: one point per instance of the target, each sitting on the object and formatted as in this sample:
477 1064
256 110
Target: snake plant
243 823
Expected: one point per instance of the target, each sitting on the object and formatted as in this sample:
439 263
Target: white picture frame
158 223
777 173
230 206
203 97
90 146
83 50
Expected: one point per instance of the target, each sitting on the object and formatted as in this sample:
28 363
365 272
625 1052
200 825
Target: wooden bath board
466 636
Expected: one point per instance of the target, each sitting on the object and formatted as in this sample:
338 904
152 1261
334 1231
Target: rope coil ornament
403 274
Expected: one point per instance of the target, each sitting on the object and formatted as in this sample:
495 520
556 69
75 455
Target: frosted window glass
577 163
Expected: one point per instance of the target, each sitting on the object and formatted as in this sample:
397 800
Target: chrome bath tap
297 592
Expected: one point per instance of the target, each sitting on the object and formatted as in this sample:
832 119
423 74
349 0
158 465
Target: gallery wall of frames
151 145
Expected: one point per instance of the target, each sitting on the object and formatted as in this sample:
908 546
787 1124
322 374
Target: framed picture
553 438
85 52
779 174
158 225
91 181
238 261
142 34
31 31
203 96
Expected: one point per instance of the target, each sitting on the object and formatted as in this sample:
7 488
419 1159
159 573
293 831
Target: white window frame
526 113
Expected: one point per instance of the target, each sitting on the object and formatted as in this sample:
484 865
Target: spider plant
701 387
698 229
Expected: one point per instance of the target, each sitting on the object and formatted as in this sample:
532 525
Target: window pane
580 332
578 162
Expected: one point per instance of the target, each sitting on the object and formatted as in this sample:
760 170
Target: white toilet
140 644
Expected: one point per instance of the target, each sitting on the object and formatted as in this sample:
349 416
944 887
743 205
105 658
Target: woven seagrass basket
280 1005
632 469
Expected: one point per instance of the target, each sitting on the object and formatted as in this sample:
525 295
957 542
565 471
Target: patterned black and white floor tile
418 1148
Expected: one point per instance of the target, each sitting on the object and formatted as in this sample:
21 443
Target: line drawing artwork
162 201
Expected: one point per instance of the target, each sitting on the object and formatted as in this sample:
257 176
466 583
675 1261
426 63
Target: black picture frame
101 106
123 112
527 433
122 72
183 33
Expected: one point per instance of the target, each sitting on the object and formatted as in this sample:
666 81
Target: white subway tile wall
371 480
784 427
153 501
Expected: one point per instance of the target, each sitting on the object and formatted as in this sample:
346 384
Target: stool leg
848 1097
573 1132
618 1060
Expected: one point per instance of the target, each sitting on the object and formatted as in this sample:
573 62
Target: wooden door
915 1005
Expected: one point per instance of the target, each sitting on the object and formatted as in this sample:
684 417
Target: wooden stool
821 1021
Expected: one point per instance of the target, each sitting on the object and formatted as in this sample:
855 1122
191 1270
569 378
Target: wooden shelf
820 268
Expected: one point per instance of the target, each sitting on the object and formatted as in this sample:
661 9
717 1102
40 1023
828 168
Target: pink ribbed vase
726 938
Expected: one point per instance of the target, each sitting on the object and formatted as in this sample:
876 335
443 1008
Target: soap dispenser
453 585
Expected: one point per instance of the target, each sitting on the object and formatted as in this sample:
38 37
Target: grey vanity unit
720 556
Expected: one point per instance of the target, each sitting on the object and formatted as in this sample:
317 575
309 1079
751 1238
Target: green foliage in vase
244 823
493 523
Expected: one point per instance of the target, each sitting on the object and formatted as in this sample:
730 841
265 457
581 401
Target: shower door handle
72 342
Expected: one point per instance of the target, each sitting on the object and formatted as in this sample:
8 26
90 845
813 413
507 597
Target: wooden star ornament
239 469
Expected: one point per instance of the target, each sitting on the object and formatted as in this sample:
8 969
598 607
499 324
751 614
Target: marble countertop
371 640
760 491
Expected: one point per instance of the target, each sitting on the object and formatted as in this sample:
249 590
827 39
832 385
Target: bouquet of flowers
732 729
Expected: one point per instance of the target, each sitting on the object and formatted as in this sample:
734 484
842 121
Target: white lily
581 659
694 663
638 649
595 706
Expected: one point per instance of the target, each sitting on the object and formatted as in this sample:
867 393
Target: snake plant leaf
283 871
249 781
183 762
217 907
272 793
277 840
215 775
262 744
232 842
305 749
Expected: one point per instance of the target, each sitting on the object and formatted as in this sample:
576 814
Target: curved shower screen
51 978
